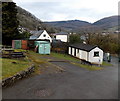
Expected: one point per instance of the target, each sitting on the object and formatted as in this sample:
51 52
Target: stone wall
9 81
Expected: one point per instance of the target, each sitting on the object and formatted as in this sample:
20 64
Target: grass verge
74 60
36 60
12 66
88 67
64 56
106 64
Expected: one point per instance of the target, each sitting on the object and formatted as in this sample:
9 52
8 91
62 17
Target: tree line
107 42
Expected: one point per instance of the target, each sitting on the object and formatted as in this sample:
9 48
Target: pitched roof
36 34
62 33
84 47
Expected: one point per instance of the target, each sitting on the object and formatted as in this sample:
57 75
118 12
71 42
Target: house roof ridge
86 47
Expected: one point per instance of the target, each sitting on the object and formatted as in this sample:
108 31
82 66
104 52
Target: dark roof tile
36 34
85 47
62 33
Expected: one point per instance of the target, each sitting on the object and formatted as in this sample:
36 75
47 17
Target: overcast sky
58 10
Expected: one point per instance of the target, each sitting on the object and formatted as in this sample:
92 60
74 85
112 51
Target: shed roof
62 33
36 34
42 42
85 47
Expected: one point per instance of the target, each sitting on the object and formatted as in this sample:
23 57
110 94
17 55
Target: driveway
75 83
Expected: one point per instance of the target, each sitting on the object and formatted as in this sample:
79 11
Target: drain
43 92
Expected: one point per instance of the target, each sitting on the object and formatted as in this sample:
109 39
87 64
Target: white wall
46 37
88 56
77 53
63 38
73 51
97 60
69 51
83 55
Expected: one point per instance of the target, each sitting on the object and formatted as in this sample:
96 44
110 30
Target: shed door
41 49
17 44
47 48
24 44
44 49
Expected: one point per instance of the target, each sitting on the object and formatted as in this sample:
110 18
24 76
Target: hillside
69 25
27 20
31 22
107 23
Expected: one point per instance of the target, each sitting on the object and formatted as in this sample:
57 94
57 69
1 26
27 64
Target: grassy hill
107 23
27 20
31 22
69 25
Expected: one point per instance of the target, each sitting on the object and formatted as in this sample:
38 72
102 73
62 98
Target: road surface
75 83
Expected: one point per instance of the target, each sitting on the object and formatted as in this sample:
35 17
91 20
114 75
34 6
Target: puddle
43 92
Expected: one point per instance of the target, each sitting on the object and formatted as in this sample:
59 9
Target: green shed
42 47
16 44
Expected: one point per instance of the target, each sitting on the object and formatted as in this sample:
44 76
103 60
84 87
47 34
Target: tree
74 38
9 22
24 35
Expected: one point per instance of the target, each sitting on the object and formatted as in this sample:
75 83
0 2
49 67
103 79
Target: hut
16 44
20 44
42 47
89 53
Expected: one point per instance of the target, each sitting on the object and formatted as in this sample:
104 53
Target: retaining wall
9 81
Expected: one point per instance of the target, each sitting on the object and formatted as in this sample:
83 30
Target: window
55 37
96 54
44 35
77 50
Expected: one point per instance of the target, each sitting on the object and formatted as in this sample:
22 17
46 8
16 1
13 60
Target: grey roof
85 47
62 33
36 34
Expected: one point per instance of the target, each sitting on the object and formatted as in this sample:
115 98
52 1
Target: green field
12 66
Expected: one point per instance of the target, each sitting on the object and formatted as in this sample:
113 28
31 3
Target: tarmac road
75 83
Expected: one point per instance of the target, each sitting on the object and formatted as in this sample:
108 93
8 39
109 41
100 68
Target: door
47 48
41 49
24 44
44 48
17 44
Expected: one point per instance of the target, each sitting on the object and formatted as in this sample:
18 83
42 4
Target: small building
16 44
63 36
20 44
42 47
89 53
40 35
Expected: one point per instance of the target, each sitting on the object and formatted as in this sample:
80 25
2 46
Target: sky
62 10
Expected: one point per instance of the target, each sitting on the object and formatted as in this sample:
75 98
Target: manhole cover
43 92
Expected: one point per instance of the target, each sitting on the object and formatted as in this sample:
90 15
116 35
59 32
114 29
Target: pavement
73 83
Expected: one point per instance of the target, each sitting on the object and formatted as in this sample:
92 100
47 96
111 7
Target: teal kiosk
42 47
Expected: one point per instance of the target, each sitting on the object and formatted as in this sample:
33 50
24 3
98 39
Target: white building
41 34
89 53
63 36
